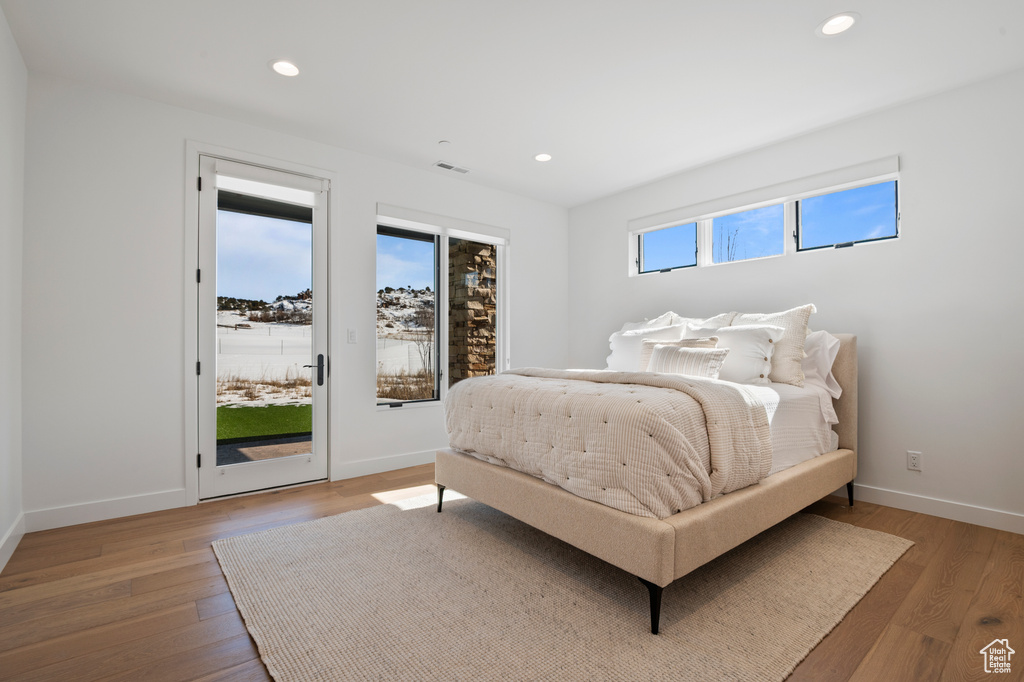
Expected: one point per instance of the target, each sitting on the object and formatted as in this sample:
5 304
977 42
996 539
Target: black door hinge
199 460
198 277
199 183
197 368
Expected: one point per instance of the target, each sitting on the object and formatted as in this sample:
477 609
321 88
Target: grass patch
260 422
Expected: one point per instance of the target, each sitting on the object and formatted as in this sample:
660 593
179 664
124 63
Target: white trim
791 190
957 511
287 195
397 216
785 193
265 174
379 465
11 539
74 514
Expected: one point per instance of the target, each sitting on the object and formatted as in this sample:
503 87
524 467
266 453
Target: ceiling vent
450 167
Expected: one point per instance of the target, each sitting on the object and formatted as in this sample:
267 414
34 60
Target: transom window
756 233
668 249
800 220
848 217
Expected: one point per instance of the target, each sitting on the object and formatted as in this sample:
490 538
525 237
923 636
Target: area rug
390 593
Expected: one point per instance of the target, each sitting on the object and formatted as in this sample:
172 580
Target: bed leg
849 492
440 496
655 592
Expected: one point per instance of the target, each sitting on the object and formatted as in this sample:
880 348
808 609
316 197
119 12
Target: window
436 324
749 234
848 217
833 209
667 248
407 278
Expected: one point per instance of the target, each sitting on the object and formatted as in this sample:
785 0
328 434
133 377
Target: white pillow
664 320
647 347
692 362
789 348
751 348
627 346
821 349
720 320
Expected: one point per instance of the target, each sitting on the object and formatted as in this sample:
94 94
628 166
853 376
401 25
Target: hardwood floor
143 597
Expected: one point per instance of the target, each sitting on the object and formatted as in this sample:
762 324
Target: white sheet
801 422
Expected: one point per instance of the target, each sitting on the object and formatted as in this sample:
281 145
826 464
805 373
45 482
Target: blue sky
262 258
758 232
861 213
672 247
851 215
404 263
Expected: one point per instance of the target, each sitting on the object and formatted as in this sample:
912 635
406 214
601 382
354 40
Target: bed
659 551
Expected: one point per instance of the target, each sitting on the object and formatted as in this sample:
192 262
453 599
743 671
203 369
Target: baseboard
11 539
87 512
957 511
379 465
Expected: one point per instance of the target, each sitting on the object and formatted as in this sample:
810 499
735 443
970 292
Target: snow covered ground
253 358
261 363
403 317
395 355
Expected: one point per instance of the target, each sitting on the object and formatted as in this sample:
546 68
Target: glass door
262 373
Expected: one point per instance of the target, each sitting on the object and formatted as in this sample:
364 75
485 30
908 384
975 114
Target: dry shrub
297 384
403 385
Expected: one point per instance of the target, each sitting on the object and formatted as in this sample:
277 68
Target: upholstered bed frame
661 551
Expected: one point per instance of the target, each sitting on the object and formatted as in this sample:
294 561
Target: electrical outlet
913 460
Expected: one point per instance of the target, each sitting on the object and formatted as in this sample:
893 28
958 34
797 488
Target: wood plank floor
143 597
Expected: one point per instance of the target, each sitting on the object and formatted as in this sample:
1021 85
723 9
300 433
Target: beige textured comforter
648 444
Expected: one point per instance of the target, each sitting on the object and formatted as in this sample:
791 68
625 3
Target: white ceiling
620 92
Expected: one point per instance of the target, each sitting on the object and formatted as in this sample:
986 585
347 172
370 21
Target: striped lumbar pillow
694 362
649 344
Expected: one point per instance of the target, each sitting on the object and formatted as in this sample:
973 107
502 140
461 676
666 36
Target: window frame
842 245
443 229
436 240
640 248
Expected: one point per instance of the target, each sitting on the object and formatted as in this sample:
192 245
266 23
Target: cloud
882 230
404 263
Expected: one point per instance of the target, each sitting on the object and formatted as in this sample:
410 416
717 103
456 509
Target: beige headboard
845 371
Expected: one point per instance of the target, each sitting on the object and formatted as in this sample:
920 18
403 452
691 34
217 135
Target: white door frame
193 152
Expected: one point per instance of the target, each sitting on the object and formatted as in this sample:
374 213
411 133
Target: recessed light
837 24
543 157
284 68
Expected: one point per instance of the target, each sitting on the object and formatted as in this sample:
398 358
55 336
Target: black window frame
640 248
435 239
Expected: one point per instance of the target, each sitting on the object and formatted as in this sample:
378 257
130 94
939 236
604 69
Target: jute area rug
472 594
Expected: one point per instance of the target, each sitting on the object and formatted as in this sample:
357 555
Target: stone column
472 312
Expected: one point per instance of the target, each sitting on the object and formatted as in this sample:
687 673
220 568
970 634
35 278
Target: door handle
319 369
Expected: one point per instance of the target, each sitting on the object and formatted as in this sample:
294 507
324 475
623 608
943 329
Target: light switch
353 336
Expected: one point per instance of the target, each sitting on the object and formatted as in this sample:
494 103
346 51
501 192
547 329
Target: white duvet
648 444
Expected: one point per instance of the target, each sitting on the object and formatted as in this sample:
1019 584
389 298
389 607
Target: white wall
104 258
938 312
13 89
